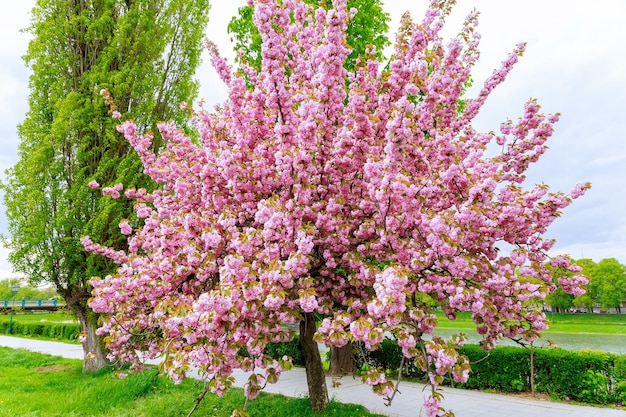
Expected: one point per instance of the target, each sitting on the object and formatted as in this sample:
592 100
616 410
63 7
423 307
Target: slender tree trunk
94 353
315 377
342 360
532 369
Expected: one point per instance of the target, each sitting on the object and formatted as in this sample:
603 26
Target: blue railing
29 304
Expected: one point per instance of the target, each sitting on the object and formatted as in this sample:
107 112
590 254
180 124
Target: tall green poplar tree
144 53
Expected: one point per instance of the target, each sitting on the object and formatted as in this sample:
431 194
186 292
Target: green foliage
585 301
291 349
586 376
6 289
505 369
582 376
609 278
145 54
389 358
562 374
596 387
39 317
25 292
55 331
55 387
246 37
607 284
559 299
368 27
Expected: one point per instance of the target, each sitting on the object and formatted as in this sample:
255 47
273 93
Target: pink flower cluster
365 197
113 192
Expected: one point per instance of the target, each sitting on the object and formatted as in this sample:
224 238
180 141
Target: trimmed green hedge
291 349
586 376
590 377
389 357
58 331
506 369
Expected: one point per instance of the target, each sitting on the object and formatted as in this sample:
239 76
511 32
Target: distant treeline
606 290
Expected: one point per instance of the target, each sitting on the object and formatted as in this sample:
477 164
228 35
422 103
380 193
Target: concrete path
408 403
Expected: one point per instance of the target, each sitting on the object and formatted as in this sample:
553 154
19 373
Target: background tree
590 297
364 202
6 289
369 27
607 284
144 53
559 299
609 277
26 291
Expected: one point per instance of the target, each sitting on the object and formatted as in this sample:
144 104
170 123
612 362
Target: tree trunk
94 353
315 377
532 369
342 360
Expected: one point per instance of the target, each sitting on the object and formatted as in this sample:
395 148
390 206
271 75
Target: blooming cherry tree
348 204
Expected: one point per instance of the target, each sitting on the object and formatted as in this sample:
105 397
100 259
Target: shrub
562 373
57 331
596 387
592 377
291 349
505 369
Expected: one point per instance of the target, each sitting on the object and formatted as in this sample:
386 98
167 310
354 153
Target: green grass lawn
565 323
33 384
41 317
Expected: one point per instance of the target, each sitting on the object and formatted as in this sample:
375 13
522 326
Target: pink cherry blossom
366 198
125 228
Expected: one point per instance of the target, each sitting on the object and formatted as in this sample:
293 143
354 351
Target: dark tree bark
94 352
315 377
94 355
342 360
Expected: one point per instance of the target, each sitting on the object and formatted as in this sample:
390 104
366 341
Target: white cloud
6 270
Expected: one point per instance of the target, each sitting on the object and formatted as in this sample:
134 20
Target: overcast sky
574 64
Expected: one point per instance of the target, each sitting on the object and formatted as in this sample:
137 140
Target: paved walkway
408 403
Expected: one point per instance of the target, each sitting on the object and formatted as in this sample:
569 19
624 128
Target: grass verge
40 317
35 384
558 322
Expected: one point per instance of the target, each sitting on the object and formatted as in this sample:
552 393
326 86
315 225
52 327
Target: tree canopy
144 54
24 291
365 203
368 28
607 284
